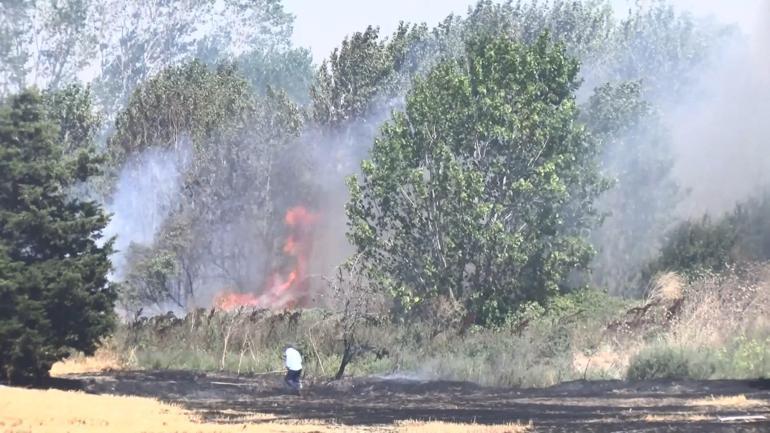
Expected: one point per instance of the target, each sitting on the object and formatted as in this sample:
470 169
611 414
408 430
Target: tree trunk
347 355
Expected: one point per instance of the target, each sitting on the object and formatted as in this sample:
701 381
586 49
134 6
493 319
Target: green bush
744 358
740 358
707 245
661 363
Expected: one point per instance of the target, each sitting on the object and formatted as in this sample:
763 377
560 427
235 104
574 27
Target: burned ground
597 406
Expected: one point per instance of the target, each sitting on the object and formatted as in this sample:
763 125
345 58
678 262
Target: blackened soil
603 406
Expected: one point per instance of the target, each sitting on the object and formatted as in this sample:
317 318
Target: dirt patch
601 406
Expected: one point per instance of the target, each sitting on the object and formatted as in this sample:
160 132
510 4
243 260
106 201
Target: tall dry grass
104 359
714 327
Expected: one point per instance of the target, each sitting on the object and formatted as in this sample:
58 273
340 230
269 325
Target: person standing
293 363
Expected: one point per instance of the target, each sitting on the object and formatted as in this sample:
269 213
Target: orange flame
282 292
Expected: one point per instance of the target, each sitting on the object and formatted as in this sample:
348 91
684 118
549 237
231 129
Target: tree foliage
54 294
43 43
483 188
120 45
71 107
181 105
226 225
364 73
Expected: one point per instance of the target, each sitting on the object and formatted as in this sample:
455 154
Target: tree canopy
481 190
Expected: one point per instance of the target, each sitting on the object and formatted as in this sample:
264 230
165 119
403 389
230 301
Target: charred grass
56 411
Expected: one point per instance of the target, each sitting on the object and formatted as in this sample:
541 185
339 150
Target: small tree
54 293
357 303
483 189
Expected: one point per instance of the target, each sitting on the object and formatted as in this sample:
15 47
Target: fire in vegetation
283 289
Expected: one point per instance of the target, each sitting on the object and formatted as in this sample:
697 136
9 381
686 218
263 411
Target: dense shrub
740 358
712 245
665 362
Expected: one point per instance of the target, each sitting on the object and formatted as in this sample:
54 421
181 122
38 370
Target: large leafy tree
482 189
54 293
71 108
182 104
120 44
289 70
649 57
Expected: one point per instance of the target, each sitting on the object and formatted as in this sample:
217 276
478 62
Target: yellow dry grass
666 288
78 364
444 427
677 417
53 411
732 402
606 362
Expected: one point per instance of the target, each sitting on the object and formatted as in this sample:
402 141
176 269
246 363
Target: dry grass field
53 411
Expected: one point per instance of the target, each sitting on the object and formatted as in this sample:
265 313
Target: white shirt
293 359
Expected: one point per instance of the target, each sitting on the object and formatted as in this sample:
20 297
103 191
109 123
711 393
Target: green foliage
739 358
666 363
482 189
742 235
149 277
697 246
289 70
364 73
241 178
744 358
538 353
54 294
72 109
183 103
652 42
137 40
43 43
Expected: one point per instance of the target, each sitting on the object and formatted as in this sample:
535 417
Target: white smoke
145 193
721 131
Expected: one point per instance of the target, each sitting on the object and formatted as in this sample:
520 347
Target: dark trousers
293 379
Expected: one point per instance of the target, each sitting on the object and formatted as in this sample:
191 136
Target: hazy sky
322 24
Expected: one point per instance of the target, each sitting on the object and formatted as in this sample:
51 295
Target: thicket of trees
509 154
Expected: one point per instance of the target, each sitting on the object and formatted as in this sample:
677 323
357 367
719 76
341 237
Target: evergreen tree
54 292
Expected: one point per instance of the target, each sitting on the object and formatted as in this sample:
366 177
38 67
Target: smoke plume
145 193
721 130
